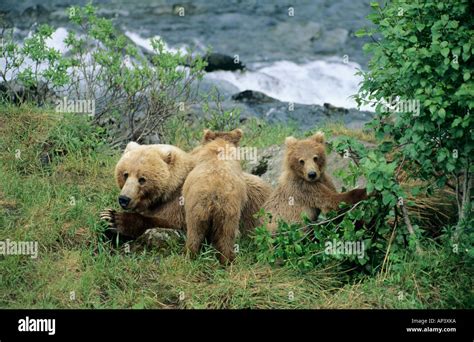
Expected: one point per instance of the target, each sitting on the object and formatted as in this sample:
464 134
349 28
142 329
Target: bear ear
168 157
290 141
132 145
236 135
318 137
208 135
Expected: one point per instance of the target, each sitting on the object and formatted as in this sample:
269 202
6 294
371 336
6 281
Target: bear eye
301 161
315 158
125 175
141 180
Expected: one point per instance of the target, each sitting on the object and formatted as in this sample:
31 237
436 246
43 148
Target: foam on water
57 40
314 82
146 43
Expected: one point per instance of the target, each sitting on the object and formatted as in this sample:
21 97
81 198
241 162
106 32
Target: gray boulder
163 239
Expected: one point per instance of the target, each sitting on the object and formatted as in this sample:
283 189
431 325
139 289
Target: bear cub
304 187
214 193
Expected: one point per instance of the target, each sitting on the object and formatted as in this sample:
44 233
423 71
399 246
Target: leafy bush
420 78
30 71
132 93
352 238
219 119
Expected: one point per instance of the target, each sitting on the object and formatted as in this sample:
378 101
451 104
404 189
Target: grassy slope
58 205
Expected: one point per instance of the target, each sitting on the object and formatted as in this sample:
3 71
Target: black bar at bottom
381 325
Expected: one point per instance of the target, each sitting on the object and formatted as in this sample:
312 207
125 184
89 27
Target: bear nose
312 175
124 201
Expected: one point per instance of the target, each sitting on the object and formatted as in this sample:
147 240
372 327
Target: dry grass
339 129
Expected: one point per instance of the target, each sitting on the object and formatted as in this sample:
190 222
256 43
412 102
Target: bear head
232 137
149 175
216 143
306 158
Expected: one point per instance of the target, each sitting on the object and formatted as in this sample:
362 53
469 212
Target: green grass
57 204
257 133
335 128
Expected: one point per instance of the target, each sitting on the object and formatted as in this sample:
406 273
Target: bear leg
131 225
196 232
224 240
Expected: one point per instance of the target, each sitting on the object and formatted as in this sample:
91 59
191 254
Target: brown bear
258 190
304 187
151 178
215 193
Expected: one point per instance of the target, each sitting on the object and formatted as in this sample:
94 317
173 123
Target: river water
303 52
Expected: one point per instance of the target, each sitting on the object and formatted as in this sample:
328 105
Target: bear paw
108 215
115 225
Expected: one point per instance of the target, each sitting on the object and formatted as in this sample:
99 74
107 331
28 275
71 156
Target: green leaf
456 122
360 33
442 113
450 167
420 26
445 52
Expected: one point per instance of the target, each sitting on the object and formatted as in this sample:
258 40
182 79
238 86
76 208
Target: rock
59 15
208 85
268 164
218 61
232 21
305 117
111 13
253 104
6 20
17 93
162 239
151 139
330 109
253 97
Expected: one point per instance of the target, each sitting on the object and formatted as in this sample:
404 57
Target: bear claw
108 215
113 226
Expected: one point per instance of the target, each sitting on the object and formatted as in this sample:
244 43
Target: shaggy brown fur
258 191
304 186
215 194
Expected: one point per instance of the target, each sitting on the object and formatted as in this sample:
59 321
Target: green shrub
132 94
420 78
